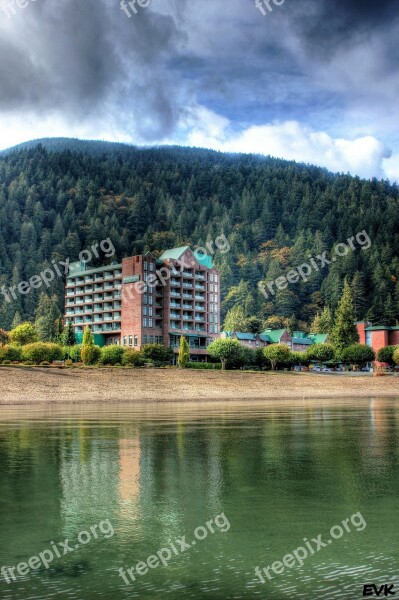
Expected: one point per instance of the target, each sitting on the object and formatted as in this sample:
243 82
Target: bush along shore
22 348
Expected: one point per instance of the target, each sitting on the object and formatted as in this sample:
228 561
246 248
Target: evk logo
377 590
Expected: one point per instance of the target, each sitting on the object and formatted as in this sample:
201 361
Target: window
216 287
211 308
158 339
130 340
211 287
216 278
145 311
151 267
144 339
145 299
124 340
151 299
145 266
150 323
151 339
211 277
136 340
216 318
144 322
211 317
150 311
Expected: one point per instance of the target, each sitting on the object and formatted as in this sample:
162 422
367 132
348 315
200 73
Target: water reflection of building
129 469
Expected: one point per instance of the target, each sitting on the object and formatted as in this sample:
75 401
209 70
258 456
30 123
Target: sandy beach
40 385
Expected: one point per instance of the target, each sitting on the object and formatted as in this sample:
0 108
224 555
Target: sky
316 81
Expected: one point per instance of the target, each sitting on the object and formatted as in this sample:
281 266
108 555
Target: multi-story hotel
145 300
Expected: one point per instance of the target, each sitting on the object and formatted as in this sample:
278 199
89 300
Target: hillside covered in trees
275 213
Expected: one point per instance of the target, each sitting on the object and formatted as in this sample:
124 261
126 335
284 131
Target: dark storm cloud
81 56
85 59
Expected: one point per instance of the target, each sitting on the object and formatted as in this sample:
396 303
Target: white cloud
363 156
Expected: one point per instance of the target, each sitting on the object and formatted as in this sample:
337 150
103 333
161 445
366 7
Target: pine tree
344 332
87 353
235 319
184 353
322 323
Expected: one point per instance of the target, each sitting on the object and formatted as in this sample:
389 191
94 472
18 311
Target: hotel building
144 300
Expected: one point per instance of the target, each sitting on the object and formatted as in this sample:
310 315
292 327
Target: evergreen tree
322 323
184 353
235 319
344 332
87 352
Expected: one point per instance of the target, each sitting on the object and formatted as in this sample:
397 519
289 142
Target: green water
278 472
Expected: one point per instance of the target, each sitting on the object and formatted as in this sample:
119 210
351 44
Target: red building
145 300
377 336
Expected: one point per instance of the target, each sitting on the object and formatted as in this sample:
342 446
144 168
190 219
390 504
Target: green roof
245 336
379 327
265 338
273 334
302 340
175 253
318 338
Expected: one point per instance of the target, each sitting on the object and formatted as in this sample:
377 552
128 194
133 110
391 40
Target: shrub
45 363
111 355
225 350
11 353
277 354
27 363
386 354
396 357
358 354
132 357
158 353
321 352
42 352
68 363
73 352
6 362
24 334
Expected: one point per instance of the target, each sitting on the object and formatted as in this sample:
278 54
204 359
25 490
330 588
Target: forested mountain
275 213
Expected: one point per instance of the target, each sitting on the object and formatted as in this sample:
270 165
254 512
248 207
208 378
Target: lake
192 498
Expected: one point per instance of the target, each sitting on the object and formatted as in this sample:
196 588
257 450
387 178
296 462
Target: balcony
172 304
188 306
188 285
199 307
70 293
187 317
175 294
202 329
188 296
89 279
198 286
175 272
188 274
174 316
199 276
199 318
199 297
174 282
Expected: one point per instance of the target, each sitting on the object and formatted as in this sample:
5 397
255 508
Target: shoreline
44 386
